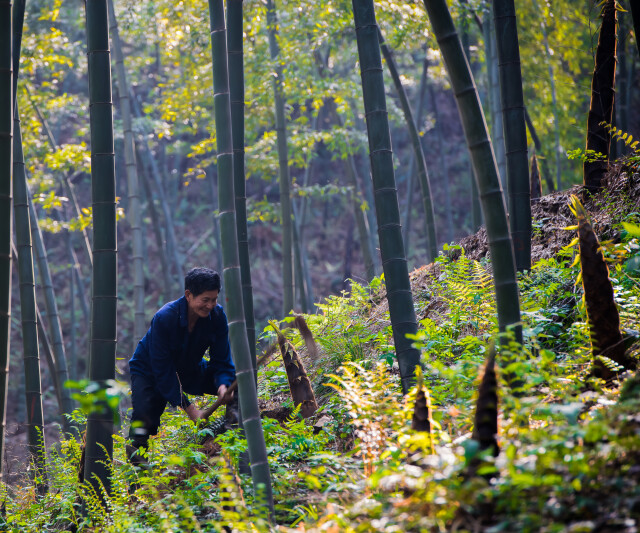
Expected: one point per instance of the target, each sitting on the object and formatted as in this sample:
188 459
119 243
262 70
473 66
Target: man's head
201 288
201 279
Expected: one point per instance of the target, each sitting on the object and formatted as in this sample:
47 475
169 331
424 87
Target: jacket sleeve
224 371
163 366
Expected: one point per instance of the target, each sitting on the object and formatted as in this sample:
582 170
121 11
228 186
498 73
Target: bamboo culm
155 223
484 164
394 261
66 181
236 91
173 259
231 274
497 133
423 174
281 132
133 188
515 131
30 353
364 230
102 352
6 171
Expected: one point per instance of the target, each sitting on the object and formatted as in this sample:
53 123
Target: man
169 360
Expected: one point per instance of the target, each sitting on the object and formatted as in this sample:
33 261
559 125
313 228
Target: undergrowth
570 444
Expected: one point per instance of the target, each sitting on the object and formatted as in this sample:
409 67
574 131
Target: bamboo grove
269 140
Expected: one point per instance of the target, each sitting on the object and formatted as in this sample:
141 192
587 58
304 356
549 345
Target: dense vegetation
569 443
493 435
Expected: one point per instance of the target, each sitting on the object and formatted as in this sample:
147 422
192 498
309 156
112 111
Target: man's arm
224 371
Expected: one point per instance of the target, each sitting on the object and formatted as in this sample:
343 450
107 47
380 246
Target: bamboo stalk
423 174
281 131
99 436
515 130
248 398
135 216
236 92
394 261
484 164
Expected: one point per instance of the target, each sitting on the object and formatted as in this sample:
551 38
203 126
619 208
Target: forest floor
356 466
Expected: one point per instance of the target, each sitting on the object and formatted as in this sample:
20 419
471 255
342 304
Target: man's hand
194 413
222 390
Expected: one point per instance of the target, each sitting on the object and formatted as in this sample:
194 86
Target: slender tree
173 258
423 175
99 437
30 316
51 307
602 96
444 167
406 227
362 222
476 213
495 105
281 130
66 179
31 355
155 223
484 164
394 261
6 170
134 215
554 98
232 272
515 130
236 89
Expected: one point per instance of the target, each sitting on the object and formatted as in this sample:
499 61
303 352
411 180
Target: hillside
568 444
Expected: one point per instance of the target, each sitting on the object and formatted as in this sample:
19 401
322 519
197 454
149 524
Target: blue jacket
173 357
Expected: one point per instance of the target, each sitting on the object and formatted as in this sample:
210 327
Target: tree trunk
6 170
394 261
66 182
102 351
476 213
73 352
364 230
281 130
31 354
444 169
515 131
602 97
495 104
236 90
51 308
232 275
152 166
484 164
406 227
423 175
134 212
24 218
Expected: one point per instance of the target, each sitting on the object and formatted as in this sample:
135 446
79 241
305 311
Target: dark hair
201 279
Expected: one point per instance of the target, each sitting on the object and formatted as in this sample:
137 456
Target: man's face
202 304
